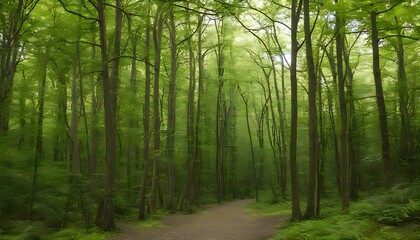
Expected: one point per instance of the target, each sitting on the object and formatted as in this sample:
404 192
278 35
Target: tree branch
75 13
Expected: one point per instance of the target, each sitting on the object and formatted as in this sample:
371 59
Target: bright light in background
279 59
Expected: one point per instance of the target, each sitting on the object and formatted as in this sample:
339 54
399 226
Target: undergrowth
392 215
25 230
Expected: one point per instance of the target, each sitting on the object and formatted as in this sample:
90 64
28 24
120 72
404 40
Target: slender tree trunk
405 141
331 103
75 178
322 138
132 147
171 115
146 121
94 137
294 178
281 133
106 214
254 172
352 137
157 38
195 189
74 135
380 101
345 200
191 135
39 154
220 82
311 208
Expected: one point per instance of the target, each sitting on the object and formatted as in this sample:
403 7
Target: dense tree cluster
109 106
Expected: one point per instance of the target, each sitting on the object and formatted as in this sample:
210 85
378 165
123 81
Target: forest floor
216 222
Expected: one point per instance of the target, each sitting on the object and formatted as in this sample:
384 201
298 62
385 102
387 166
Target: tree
39 148
105 215
157 40
294 180
312 208
171 114
220 82
406 142
12 48
380 101
146 120
254 171
339 42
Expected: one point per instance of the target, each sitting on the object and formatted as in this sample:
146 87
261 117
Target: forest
130 110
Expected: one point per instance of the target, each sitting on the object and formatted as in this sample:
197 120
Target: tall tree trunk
294 178
171 116
405 141
220 82
39 154
157 38
75 178
132 147
146 121
195 188
105 215
353 147
94 136
281 131
190 123
254 172
380 101
339 40
74 135
331 103
311 208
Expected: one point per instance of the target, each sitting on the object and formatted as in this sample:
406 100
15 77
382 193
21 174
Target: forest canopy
130 107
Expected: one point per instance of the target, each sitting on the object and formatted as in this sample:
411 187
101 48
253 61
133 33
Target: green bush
413 208
392 214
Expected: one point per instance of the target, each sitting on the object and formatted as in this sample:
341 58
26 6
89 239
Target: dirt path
229 221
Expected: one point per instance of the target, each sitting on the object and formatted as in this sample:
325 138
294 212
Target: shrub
392 214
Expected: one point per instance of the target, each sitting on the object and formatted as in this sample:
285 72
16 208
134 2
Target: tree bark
220 82
146 121
254 172
95 134
171 115
157 38
294 178
380 101
311 208
106 214
191 135
39 153
331 103
345 200
405 141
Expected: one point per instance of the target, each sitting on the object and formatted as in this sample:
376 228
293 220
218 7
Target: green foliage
24 230
393 215
78 234
270 204
336 227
